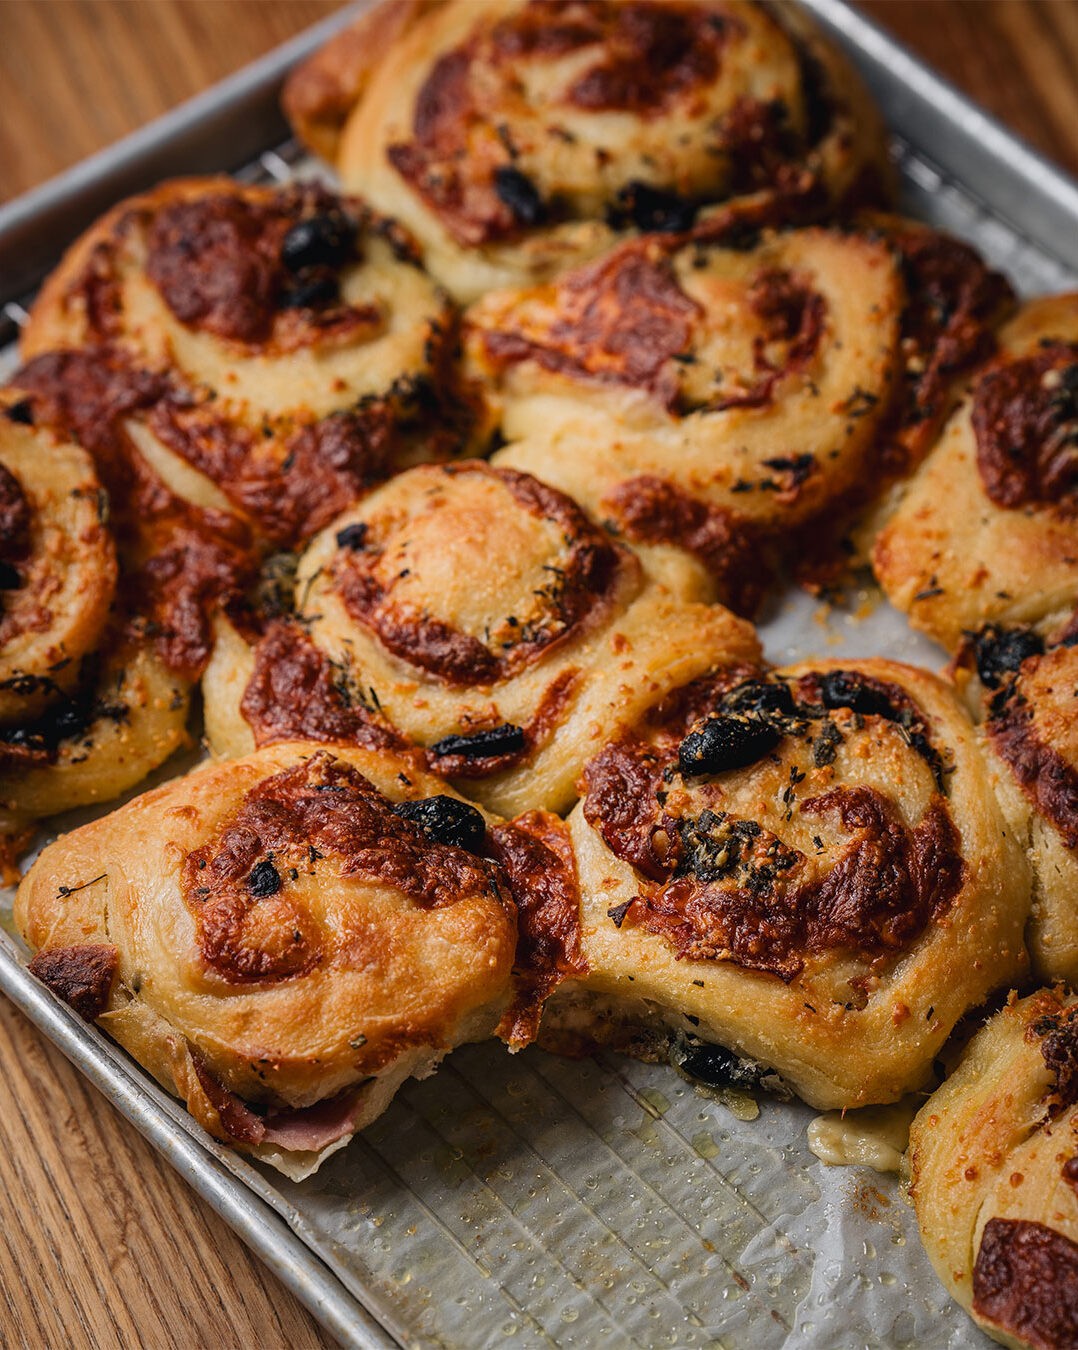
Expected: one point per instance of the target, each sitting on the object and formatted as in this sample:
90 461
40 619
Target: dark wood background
101 1245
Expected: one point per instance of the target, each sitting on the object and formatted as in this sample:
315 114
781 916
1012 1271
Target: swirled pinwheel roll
284 344
514 137
805 868
987 529
280 940
87 707
481 615
1025 684
697 396
994 1170
57 564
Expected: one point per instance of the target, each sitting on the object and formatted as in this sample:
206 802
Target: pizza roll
476 613
515 137
987 529
280 940
57 564
288 349
805 868
1023 686
994 1172
87 706
701 397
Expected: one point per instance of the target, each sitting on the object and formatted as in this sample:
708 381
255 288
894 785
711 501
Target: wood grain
101 1245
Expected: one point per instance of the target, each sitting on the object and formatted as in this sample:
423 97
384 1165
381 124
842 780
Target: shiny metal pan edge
570 1267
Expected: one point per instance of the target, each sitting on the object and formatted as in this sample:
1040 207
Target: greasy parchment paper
535 1201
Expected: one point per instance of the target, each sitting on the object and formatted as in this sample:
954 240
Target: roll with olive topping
1007 553
514 137
88 707
284 349
281 940
994 1168
806 868
701 399
1026 684
480 615
736 402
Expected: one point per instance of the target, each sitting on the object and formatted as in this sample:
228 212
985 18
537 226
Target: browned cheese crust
479 615
517 136
1024 684
806 867
994 1170
280 349
281 939
89 703
706 400
1008 455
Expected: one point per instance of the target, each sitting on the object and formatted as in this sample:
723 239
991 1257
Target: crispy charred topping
619 321
1025 420
490 743
649 58
1025 1281
69 720
1059 1050
582 579
446 820
82 976
296 693
651 510
729 741
999 652
651 210
492 750
319 818
180 561
723 887
953 302
1048 780
538 860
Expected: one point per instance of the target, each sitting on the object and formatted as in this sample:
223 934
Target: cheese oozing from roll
805 868
280 940
480 615
993 1167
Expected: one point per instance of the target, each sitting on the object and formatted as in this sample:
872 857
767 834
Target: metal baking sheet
543 1202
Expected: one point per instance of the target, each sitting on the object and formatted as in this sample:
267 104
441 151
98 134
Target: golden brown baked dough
319 95
88 707
993 1174
506 136
987 529
699 396
284 349
276 941
1023 686
57 564
481 615
806 868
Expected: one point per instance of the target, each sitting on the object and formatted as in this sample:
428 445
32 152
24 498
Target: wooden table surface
100 1243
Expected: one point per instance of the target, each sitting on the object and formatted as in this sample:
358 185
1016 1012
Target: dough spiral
796 866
